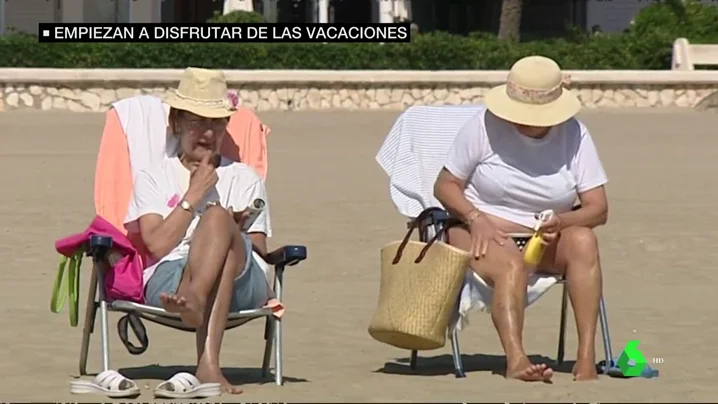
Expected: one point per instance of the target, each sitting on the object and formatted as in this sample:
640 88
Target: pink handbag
124 279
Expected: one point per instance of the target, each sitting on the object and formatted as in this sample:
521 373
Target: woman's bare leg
217 255
208 252
576 255
503 268
209 337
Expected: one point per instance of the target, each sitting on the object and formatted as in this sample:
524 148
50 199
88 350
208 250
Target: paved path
659 253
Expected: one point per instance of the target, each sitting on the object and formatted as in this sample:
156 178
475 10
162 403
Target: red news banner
237 33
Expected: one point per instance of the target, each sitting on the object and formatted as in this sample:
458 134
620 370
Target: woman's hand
202 179
484 232
239 217
550 230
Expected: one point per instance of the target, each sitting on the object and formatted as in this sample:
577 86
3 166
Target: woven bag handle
449 224
414 225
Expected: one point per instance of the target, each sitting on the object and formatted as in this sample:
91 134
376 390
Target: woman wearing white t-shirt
188 211
524 154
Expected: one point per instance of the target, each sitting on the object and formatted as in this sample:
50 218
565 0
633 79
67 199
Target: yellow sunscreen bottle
533 252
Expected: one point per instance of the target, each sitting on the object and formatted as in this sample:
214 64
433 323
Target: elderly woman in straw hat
188 211
524 154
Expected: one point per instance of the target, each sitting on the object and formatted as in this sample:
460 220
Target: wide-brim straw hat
534 94
202 92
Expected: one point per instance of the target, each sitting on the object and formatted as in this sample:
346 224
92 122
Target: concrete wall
94 90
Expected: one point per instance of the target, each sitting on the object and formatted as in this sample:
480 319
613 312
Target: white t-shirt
160 189
513 176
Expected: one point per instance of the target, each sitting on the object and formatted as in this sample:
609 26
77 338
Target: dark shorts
521 240
251 289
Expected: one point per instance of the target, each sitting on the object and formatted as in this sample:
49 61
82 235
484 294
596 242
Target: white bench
687 56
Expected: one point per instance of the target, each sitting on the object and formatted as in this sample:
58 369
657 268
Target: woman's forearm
168 234
451 196
586 216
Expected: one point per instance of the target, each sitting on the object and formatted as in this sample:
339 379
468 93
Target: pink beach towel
124 281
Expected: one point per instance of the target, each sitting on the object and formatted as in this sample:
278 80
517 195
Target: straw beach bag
420 285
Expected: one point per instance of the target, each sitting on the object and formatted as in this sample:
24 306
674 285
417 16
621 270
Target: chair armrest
436 216
286 256
100 247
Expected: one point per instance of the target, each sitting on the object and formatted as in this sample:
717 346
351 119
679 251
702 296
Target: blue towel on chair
613 371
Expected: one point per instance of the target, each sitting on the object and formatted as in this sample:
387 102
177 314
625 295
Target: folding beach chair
114 155
412 155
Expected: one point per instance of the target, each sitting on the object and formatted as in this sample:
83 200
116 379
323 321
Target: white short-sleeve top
512 176
160 189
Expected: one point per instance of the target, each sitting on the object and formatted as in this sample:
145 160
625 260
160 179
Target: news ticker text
231 33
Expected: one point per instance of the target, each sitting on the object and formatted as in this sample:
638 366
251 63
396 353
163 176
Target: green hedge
647 45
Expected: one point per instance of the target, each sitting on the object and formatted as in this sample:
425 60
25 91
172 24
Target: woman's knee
222 224
218 219
580 243
503 265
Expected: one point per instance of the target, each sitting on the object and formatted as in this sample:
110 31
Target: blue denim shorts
251 289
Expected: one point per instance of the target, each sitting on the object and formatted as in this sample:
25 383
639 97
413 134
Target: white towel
412 156
144 120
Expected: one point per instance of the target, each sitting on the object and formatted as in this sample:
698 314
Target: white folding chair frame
97 301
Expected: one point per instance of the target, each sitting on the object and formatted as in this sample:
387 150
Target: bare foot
584 370
216 376
186 306
527 372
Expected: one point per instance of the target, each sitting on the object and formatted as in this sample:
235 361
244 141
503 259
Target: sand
658 251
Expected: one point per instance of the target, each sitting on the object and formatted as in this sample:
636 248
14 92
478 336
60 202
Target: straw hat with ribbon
534 94
203 92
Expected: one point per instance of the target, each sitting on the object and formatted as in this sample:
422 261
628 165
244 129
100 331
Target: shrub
657 26
678 18
434 51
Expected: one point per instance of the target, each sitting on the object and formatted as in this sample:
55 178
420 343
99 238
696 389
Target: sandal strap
113 381
182 382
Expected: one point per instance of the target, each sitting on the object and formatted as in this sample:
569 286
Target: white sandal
109 383
185 385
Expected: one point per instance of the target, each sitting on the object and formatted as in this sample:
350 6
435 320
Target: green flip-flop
68 286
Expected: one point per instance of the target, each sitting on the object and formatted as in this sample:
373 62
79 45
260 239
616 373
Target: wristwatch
186 206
